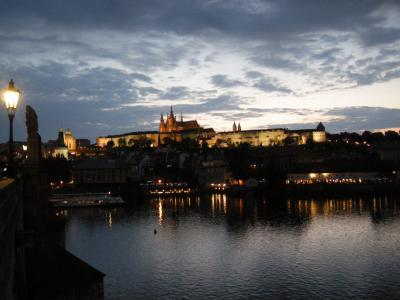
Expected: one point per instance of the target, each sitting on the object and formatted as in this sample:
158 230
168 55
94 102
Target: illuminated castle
178 130
172 125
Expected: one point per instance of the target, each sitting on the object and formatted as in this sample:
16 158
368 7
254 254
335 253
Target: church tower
234 128
162 124
171 120
239 127
60 138
320 127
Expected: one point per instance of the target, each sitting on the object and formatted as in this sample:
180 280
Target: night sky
104 67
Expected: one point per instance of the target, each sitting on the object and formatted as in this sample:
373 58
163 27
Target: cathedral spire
181 118
162 123
239 128
172 113
234 127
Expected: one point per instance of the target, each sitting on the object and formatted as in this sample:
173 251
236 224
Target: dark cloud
221 80
63 96
142 77
254 75
236 116
176 92
63 82
259 19
269 85
350 119
364 118
371 71
266 83
224 102
275 60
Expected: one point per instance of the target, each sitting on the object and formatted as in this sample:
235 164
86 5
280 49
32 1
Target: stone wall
10 223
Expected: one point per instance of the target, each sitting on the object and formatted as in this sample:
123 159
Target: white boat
85 199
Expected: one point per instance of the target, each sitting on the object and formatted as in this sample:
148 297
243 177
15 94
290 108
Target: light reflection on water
222 247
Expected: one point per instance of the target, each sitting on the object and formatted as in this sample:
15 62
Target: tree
141 142
392 136
149 142
310 143
377 137
219 142
188 144
131 142
110 144
287 141
121 142
367 136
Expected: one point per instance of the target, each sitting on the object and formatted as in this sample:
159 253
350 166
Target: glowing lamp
11 97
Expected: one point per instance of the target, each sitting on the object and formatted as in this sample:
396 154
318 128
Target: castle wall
319 136
265 137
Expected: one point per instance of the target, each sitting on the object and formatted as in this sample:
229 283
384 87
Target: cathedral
172 125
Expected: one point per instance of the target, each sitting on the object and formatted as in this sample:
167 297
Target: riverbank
317 189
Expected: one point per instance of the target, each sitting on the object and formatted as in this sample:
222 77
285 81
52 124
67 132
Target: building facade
101 171
64 144
69 140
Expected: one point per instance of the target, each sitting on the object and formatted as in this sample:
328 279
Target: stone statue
32 127
31 121
34 181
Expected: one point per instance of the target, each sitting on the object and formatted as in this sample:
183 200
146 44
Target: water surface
222 248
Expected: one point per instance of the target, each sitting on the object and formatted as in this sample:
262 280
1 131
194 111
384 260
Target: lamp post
11 97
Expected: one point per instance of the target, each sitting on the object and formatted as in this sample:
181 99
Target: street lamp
11 97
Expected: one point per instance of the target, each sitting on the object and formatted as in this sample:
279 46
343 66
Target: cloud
266 83
176 92
120 63
270 85
252 18
351 119
221 80
139 76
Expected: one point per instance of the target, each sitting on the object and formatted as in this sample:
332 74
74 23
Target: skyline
112 68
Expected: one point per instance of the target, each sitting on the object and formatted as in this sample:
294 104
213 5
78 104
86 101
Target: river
217 247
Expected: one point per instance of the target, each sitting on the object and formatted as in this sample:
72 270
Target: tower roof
320 127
